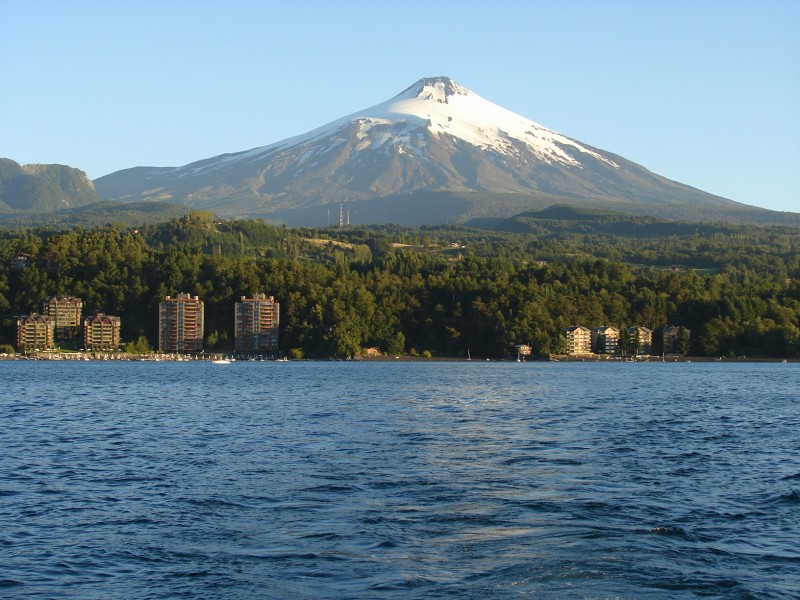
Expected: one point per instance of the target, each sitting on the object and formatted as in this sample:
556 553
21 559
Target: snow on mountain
445 107
441 106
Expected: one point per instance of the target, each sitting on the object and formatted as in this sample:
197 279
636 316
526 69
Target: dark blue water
399 480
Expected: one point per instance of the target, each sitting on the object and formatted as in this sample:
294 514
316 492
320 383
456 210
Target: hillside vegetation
442 290
43 188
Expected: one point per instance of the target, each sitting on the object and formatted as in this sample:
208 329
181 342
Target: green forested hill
440 290
43 188
63 197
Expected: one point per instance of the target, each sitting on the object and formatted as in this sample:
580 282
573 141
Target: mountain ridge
43 187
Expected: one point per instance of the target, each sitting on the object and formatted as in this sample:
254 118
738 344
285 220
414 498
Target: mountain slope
437 138
43 188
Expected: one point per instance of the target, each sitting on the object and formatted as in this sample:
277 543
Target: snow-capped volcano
442 107
435 136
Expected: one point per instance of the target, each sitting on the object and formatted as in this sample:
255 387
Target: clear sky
705 92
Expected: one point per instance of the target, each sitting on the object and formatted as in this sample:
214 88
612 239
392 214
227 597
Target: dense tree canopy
443 290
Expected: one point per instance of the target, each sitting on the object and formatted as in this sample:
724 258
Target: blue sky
704 92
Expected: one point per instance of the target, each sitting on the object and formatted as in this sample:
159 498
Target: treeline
439 290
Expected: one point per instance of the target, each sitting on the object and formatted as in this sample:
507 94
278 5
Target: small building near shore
35 332
675 339
605 340
101 333
523 350
641 339
579 340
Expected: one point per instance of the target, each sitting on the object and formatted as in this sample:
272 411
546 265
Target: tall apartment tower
180 324
65 312
34 332
101 333
256 322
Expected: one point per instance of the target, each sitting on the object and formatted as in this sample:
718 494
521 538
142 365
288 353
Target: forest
426 291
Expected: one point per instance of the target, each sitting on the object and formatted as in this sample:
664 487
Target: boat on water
220 361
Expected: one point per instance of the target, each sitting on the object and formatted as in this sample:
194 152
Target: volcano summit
437 152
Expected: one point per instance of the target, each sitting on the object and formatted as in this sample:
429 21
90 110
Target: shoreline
584 359
111 356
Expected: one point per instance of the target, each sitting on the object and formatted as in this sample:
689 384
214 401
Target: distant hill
43 188
558 220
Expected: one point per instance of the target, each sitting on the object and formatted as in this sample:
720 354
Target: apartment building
256 324
605 340
180 324
672 339
101 333
641 339
65 312
579 340
35 332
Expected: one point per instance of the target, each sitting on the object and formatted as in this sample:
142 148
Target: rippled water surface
399 480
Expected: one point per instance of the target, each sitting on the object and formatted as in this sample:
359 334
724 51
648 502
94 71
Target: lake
399 480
